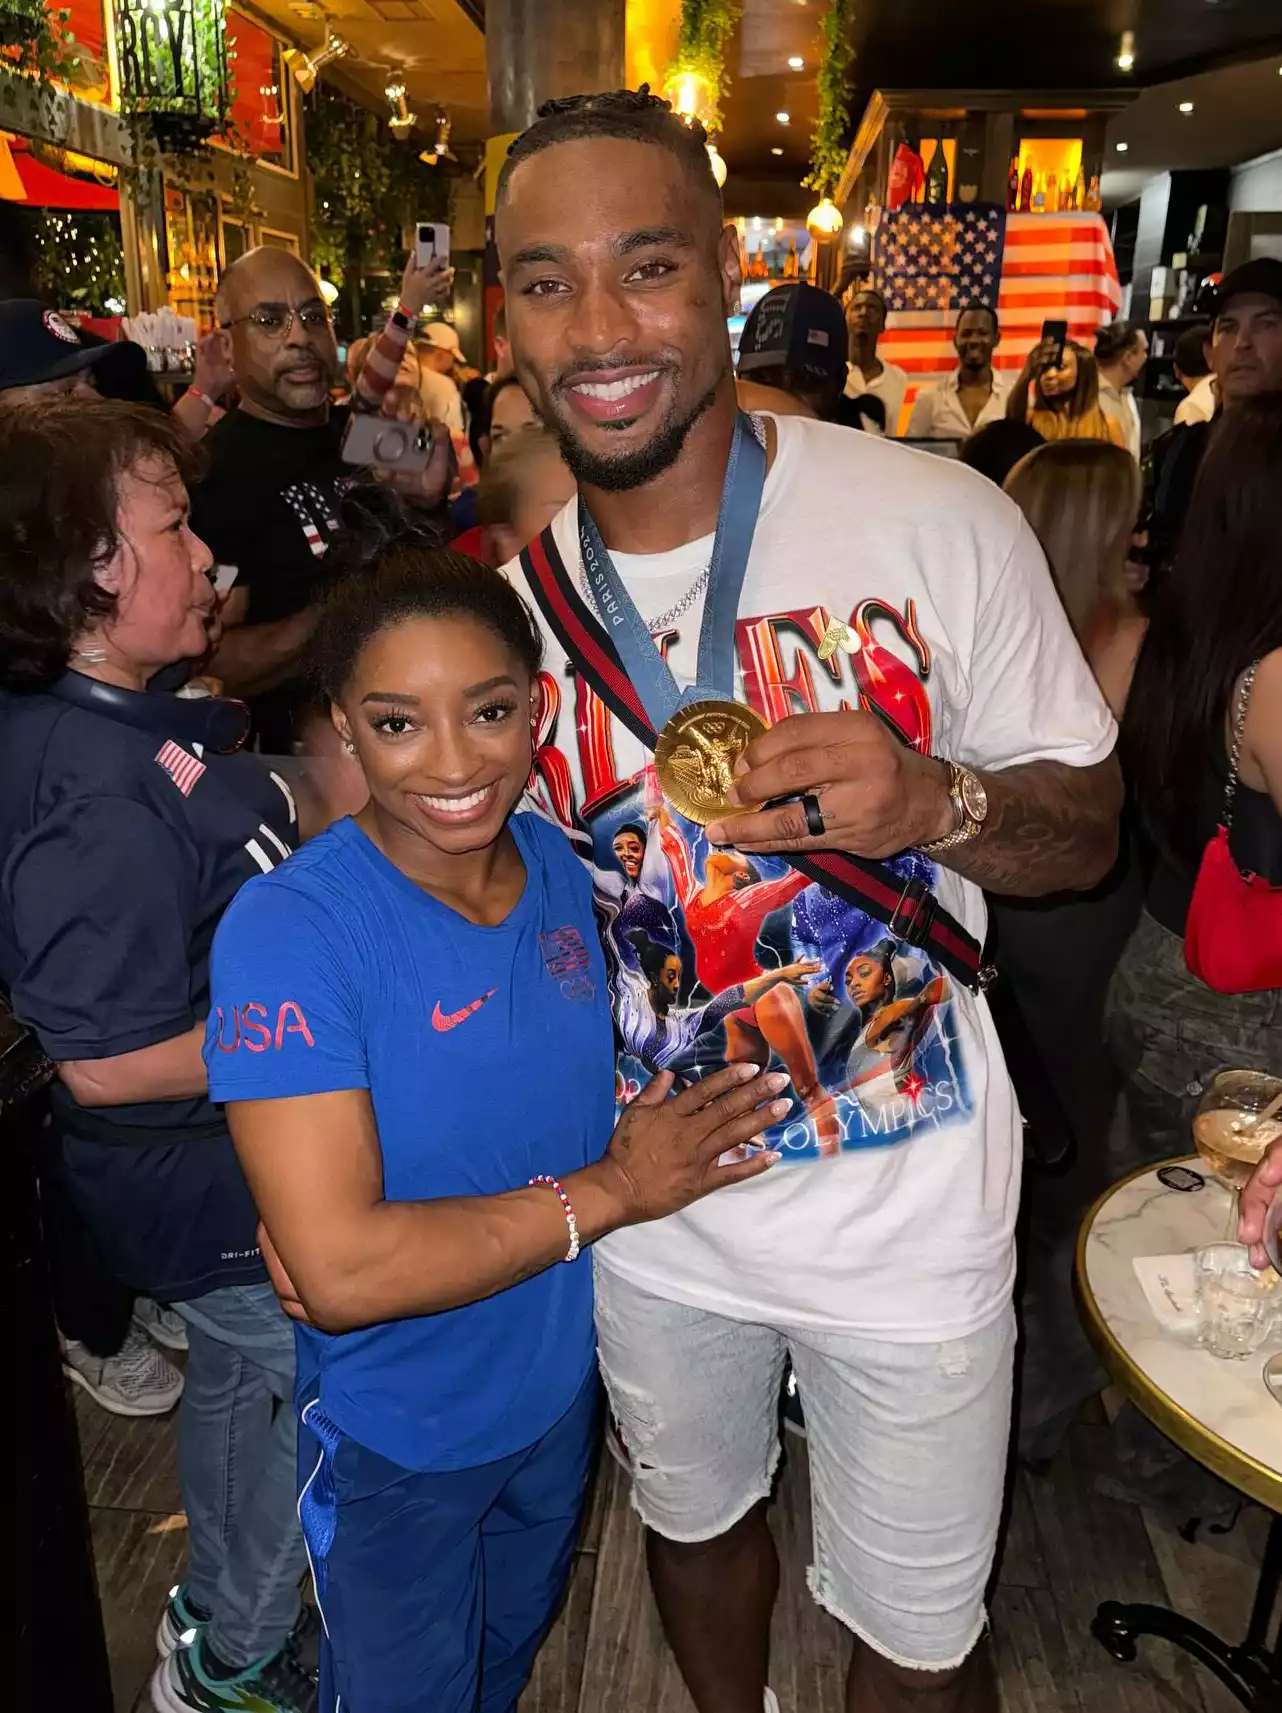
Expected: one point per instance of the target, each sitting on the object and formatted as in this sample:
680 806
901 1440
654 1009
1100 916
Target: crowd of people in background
161 568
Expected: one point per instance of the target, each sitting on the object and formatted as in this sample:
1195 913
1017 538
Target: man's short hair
631 114
977 307
1190 351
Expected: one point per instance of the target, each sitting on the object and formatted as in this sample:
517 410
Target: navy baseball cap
799 327
36 345
1260 277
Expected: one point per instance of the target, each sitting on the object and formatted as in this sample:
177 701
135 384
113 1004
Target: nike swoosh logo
443 1020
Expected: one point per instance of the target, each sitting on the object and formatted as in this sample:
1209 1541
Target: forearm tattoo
1050 828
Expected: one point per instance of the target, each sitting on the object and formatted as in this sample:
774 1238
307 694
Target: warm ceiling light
783 118
1126 51
776 151
1122 148
329 291
440 149
858 235
796 63
305 67
717 164
402 121
1186 106
825 219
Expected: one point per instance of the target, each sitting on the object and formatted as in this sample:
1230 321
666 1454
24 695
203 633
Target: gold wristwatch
970 805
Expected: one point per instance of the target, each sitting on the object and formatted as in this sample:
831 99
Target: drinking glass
1227 1130
1237 1305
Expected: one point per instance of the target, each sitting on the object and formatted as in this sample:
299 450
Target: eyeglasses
275 323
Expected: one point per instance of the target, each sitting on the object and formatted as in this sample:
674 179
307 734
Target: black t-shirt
269 505
120 851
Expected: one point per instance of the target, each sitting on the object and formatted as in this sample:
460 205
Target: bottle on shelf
758 269
1026 190
937 176
1092 199
1052 193
1012 185
1079 190
791 265
1039 195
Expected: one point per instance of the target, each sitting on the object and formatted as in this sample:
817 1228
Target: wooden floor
1066 1549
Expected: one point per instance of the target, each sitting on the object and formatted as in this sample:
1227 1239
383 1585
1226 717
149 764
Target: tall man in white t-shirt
974 394
878 1253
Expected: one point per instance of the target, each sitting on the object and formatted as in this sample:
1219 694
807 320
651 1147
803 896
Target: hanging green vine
368 187
706 28
42 50
828 142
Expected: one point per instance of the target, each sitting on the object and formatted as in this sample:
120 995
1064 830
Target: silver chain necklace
673 613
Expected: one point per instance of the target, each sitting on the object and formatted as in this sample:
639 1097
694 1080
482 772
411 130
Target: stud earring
349 746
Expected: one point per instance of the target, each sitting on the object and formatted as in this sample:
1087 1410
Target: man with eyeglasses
269 504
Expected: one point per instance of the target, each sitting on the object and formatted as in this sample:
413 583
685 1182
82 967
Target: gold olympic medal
695 755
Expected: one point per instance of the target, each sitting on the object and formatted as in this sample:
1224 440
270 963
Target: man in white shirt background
1191 361
878 1254
439 353
974 394
1121 351
865 322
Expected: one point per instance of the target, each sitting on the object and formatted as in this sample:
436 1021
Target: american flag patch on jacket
182 768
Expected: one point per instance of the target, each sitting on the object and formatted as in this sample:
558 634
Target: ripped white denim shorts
907 1442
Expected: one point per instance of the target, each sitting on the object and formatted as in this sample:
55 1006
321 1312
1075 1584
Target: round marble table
1219 1411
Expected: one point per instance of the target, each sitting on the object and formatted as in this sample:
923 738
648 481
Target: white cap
440 333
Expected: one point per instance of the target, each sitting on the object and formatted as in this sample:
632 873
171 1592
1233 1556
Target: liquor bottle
1079 190
1039 195
1026 190
791 266
759 270
1012 185
937 176
1092 199
1052 193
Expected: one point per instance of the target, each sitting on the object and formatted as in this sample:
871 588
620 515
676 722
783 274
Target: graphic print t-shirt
892 1211
486 1053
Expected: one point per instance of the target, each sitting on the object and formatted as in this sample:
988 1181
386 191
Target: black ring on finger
814 815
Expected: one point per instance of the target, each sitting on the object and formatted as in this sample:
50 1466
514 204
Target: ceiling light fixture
306 66
402 121
776 151
1186 106
1126 51
718 166
796 63
1122 148
825 219
440 149
784 118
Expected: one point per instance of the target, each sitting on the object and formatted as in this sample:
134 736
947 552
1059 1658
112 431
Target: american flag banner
930 262
182 767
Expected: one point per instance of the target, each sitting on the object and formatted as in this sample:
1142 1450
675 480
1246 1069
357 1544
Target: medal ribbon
628 631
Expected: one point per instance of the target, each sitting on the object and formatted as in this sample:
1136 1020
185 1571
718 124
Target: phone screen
1058 331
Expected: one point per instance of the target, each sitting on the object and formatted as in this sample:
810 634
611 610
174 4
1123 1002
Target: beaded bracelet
572 1253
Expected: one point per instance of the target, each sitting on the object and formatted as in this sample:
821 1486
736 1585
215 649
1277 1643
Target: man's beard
620 473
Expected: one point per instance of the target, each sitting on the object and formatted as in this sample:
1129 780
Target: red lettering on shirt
222 1045
261 1030
295 1026
767 685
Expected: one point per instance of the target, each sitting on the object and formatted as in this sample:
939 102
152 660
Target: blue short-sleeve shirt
488 1055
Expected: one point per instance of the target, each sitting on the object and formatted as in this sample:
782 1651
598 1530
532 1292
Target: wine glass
1236 1120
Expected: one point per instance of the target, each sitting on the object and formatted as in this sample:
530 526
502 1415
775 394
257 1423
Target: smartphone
433 241
376 441
224 577
1058 331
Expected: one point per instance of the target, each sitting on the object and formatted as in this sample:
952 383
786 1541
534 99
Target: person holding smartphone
411 1031
1057 393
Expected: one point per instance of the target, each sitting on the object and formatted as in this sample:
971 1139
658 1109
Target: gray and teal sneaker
180 1623
190 1682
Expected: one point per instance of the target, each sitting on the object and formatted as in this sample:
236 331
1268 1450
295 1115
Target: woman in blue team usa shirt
411 1030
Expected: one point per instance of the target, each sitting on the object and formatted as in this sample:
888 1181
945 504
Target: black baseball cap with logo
37 345
798 327
1260 277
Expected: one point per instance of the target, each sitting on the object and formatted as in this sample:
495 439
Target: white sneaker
138 1381
165 1326
772 1701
